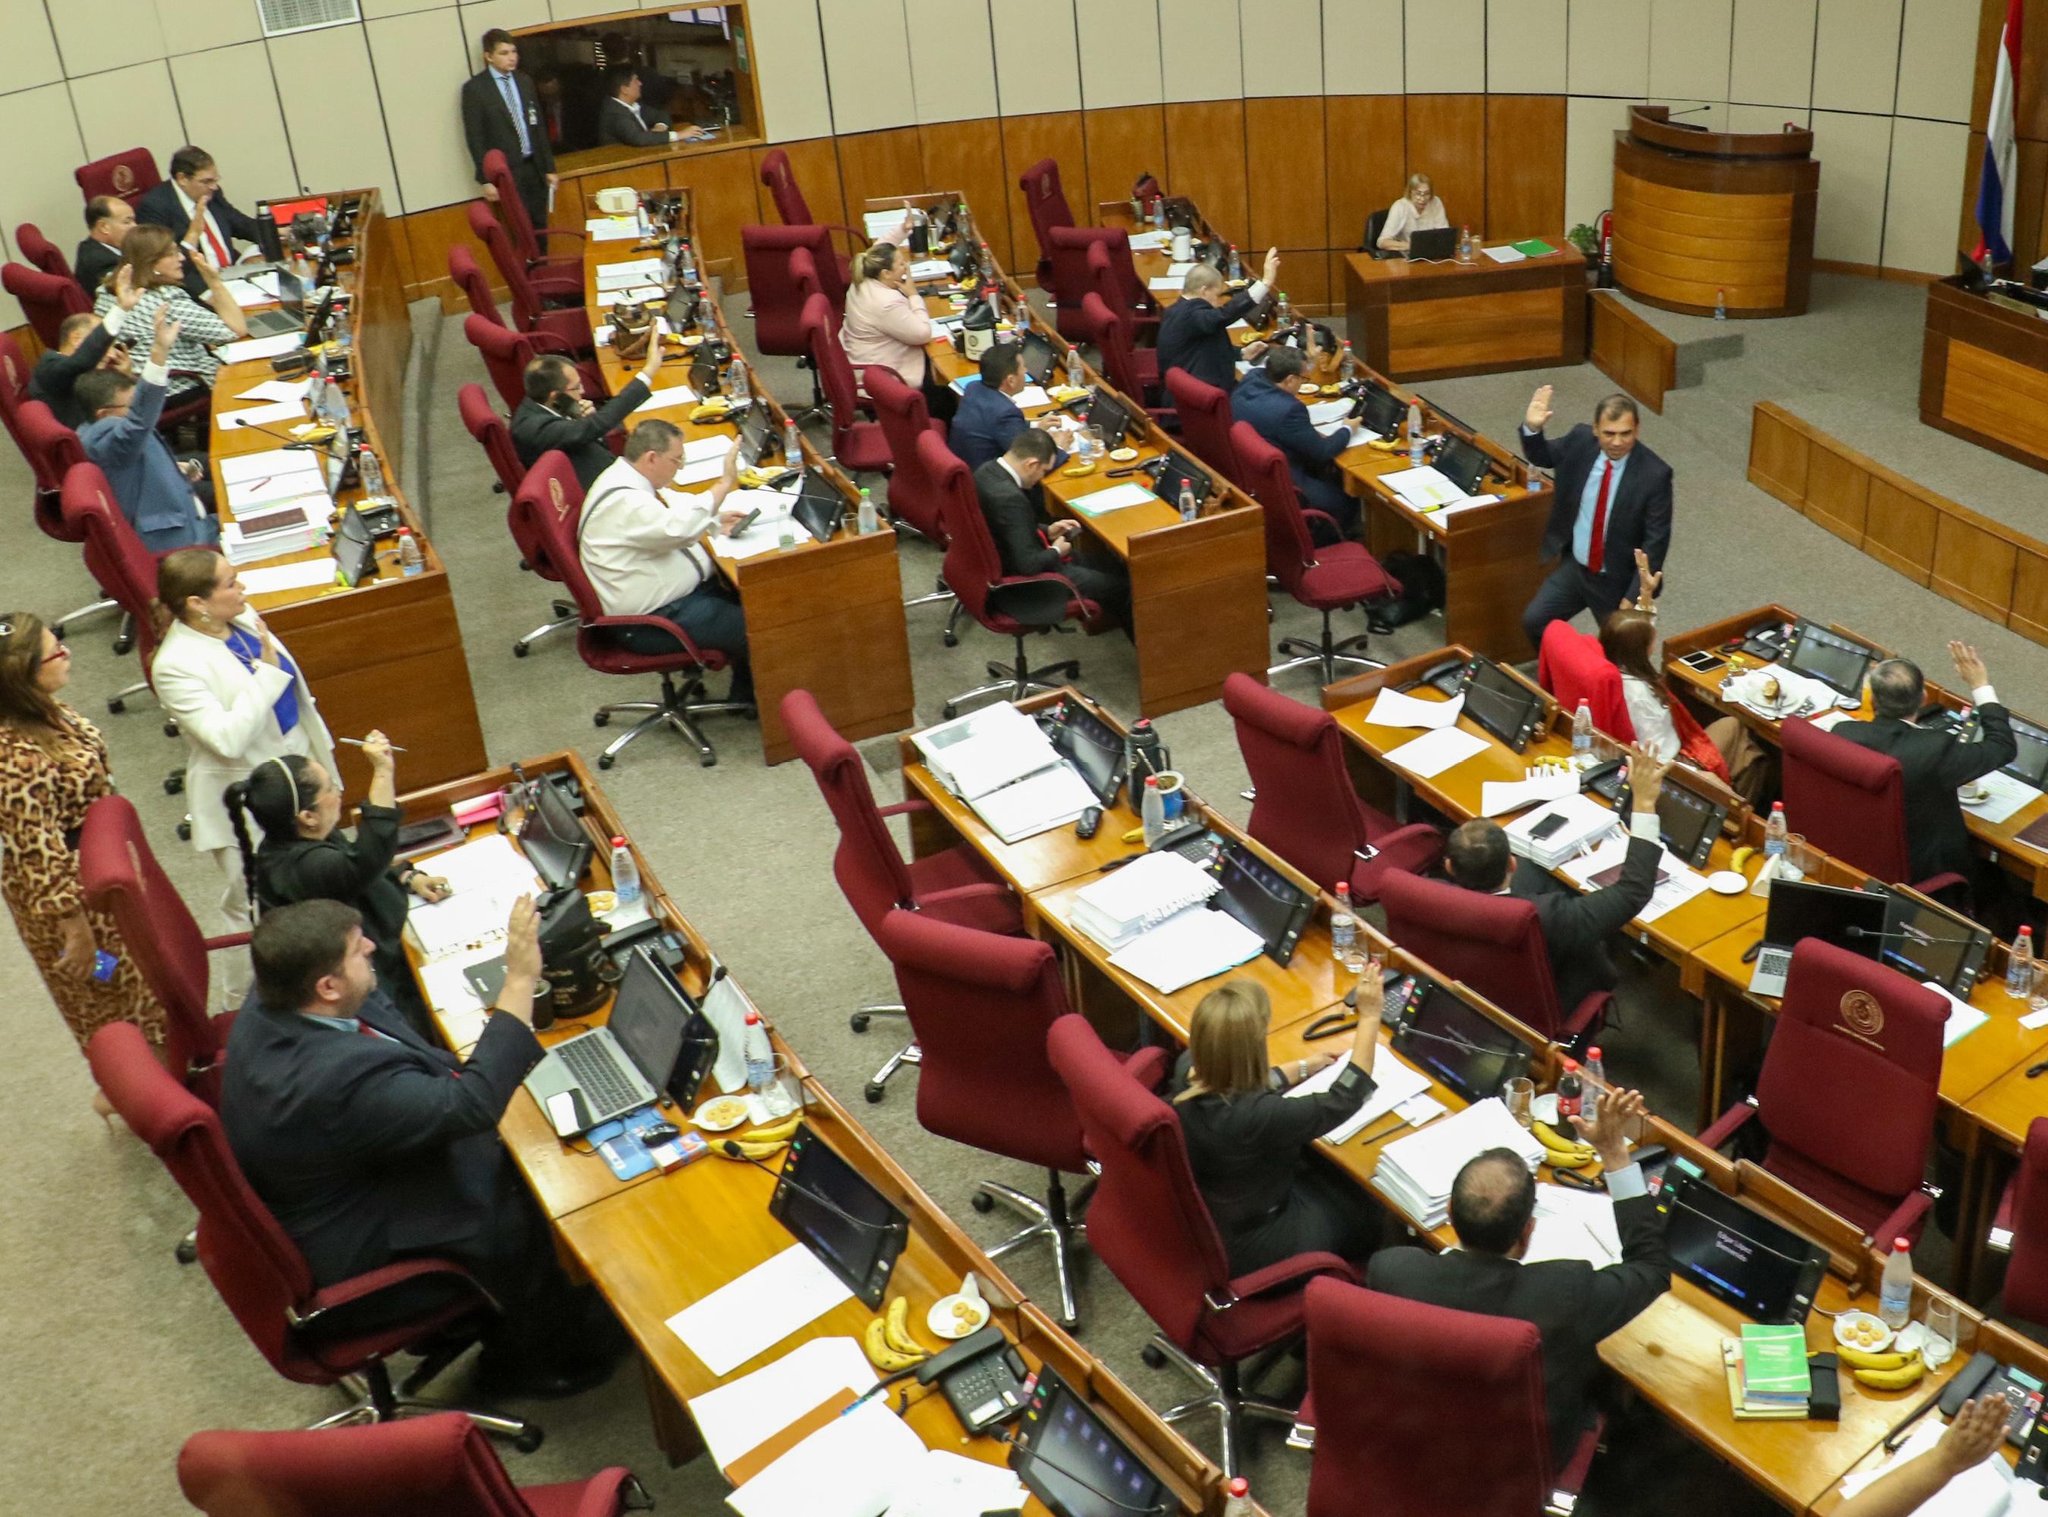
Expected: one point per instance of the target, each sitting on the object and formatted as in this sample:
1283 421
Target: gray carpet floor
114 1354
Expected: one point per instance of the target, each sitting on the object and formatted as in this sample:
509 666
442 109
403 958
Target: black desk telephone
982 1376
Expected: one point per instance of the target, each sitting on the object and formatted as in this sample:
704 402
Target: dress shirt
219 249
1626 1183
1582 527
640 552
882 326
1403 218
508 91
1650 715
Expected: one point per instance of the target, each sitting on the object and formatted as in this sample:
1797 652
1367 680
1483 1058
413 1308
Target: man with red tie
192 208
1613 497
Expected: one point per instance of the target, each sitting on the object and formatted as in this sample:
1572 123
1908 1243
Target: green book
1774 1370
1535 247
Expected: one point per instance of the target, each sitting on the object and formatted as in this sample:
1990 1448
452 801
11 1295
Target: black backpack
1422 588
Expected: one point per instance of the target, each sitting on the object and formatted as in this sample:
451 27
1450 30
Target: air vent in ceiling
283 16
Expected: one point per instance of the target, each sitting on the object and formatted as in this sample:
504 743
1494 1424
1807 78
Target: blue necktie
518 116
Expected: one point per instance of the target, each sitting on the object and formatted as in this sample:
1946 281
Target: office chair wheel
604 761
982 1202
874 1092
950 638
1152 1356
185 831
520 650
57 631
174 782
170 729
858 1021
529 1440
124 643
602 719
949 711
116 705
187 1250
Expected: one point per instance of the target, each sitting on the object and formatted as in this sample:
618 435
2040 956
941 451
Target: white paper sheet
1193 945
262 347
1164 284
275 390
759 1309
1423 488
946 1484
486 876
1394 1084
1434 752
1030 397
302 575
850 1467
1677 882
1397 708
1321 411
2007 797
1506 253
1499 797
1983 1490
246 292
613 228
660 400
1048 799
1149 242
308 489
276 414
1963 1018
1115 498
931 268
744 1413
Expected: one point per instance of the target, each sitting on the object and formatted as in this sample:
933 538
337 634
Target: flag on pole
2001 155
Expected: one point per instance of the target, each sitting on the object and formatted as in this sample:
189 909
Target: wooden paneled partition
1631 352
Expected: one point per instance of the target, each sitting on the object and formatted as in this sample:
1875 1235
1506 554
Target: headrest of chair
1851 763
1276 715
491 338
887 390
1869 1004
917 941
475 408
1453 910
1078 239
766 238
1189 392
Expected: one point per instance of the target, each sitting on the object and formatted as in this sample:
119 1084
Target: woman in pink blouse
886 324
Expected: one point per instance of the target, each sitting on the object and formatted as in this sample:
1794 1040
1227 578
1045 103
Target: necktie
1596 548
518 116
220 254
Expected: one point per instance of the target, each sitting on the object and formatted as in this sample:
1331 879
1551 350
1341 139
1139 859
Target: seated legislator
988 416
1249 1143
646 557
1268 400
190 206
1575 927
107 220
166 500
84 343
154 264
886 323
1194 332
1418 210
556 415
1572 1304
1933 764
623 120
370 1144
1014 504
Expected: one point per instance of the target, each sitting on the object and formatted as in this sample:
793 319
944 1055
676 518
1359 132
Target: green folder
1535 247
1774 1370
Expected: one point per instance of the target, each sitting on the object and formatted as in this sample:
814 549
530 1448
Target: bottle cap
1901 1246
1571 1066
618 842
1592 1053
753 1019
1240 1486
1151 782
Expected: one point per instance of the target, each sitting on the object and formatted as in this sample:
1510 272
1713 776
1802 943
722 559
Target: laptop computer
290 313
1798 909
1433 246
626 1064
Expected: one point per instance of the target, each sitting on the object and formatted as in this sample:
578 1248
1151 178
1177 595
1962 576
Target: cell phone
1704 661
740 527
1548 825
103 966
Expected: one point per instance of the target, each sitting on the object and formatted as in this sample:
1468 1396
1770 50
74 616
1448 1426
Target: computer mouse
660 1132
1087 822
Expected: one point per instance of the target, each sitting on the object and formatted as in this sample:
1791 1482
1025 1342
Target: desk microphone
1853 931
1453 1040
1695 111
732 1150
291 443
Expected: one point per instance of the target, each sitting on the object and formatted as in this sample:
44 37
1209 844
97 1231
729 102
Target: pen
2035 1071
1119 863
356 742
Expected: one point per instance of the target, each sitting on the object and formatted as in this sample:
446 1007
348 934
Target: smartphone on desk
1704 661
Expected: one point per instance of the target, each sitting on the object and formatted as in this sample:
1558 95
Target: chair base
1015 681
909 1053
565 616
376 1401
123 639
118 701
1051 1220
677 709
1221 1394
1326 655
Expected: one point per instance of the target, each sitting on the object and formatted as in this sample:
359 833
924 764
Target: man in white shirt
647 557
192 208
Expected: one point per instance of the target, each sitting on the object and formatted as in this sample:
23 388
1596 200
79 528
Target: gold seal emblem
1861 1014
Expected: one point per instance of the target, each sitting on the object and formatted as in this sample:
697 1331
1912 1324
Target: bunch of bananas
763 1142
717 409
889 1342
1889 1371
1559 1154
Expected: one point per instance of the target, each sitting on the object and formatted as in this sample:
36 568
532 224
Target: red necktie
1596 548
220 254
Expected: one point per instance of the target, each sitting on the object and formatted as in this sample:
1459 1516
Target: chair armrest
603 1494
1148 1066
1291 1274
1906 1217
1729 1123
983 890
541 234
548 342
1934 884
1308 512
1074 596
904 808
230 940
1589 1013
362 1287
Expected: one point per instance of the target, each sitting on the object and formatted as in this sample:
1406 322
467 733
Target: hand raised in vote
1968 664
377 750
1539 413
1648 582
1609 1116
125 294
522 941
1974 1434
1645 778
1271 271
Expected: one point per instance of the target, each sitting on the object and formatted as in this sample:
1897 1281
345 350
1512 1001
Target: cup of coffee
1172 795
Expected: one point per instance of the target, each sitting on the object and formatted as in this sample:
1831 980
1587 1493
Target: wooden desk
1984 372
391 633
1429 320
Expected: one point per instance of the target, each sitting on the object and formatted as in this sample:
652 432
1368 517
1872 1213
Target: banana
1135 835
1898 1379
1559 1154
876 1344
749 1149
896 1328
711 410
1862 1359
776 1132
1739 859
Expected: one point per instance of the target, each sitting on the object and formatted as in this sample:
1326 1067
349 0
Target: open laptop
1798 909
611 1070
1433 246
290 312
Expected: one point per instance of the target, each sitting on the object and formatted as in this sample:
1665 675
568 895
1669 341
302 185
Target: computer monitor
1729 1251
835 1212
1094 748
1460 1046
1066 1456
1836 661
1689 822
1502 704
757 434
1262 898
1851 919
552 838
1462 464
355 548
819 506
2030 764
1108 416
1930 942
1038 358
1173 471
1381 409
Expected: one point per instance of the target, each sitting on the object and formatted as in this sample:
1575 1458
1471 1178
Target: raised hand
1968 664
1649 582
1539 411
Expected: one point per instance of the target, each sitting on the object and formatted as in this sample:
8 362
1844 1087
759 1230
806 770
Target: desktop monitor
1755 1265
1261 898
1462 464
553 839
1457 1044
2030 764
1689 822
838 1214
1930 942
1066 1456
1502 704
1381 409
1836 661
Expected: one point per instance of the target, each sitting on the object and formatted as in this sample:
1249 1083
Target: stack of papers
2004 798
1434 752
1677 881
1051 798
1141 896
661 400
868 1462
1499 797
1773 1376
1000 763
278 529
276 413
1396 708
302 574
1585 818
1416 1172
262 347
1394 1084
1322 412
1115 498
613 228
881 224
259 479
486 876
1192 945
613 277
1424 488
1505 253
1574 1224
931 268
1146 242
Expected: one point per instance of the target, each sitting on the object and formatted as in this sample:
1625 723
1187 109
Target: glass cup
784 1091
1798 855
1941 1332
1089 443
1520 1096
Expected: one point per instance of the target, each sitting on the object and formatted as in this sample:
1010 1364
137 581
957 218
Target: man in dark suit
190 206
555 414
1572 1304
1014 505
1933 764
1194 332
107 220
1268 400
500 110
1613 497
624 120
988 416
1575 927
84 342
369 1144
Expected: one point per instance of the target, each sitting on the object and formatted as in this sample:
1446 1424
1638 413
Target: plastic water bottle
736 380
865 518
1152 811
1720 305
1159 212
987 264
1347 366
409 560
760 1056
1595 1069
1414 435
2019 966
1343 925
1464 244
1188 509
1237 1499
1280 311
1895 1289
370 471
1076 378
1236 270
687 264
792 449
625 873
1582 731
1775 834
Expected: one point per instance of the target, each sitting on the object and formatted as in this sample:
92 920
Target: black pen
2035 1071
1119 863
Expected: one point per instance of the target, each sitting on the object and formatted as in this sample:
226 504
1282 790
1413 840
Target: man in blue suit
989 416
1268 401
168 502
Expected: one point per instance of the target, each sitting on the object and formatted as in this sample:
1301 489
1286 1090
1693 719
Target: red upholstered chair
120 565
1327 579
1149 1224
550 506
858 445
46 299
569 325
795 208
1307 810
1010 605
914 497
1572 666
1392 1456
130 175
1068 249
37 249
1098 325
1851 802
50 448
437 1466
1046 201
1205 423
557 278
1850 1089
1117 281
953 885
775 287
2024 1215
495 438
1494 943
312 1335
506 354
981 1005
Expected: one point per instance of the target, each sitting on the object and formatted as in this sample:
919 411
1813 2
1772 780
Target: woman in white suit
238 699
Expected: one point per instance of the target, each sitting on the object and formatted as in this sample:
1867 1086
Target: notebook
1140 896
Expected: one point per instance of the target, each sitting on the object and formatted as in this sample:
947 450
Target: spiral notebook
1140 896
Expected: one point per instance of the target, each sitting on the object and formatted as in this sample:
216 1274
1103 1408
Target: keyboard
605 1086
1774 961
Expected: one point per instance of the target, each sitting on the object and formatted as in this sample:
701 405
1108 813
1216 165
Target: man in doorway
501 110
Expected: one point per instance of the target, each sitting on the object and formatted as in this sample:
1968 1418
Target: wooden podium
1696 213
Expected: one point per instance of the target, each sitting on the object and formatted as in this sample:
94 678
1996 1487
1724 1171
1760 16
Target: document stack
1584 819
1767 1372
272 530
1140 896
1000 763
1416 1172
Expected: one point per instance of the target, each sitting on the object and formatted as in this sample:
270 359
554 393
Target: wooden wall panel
1973 566
429 235
1283 142
1205 161
876 164
1447 141
1778 455
2030 595
1837 494
1305 276
1524 167
722 194
1899 530
1026 139
1367 142
1121 143
968 156
814 162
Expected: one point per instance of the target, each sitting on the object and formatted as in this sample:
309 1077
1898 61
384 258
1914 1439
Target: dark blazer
536 430
1933 765
1193 336
1576 927
355 872
369 1149
1282 419
57 372
159 207
1572 1304
486 124
1638 517
617 123
1016 519
92 263
981 429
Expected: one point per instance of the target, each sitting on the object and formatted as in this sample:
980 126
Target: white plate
1311 389
940 1318
1125 455
1850 1319
738 1114
1727 882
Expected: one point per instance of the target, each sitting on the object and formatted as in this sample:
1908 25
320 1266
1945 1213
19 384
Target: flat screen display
1830 658
1460 1046
834 1212
1850 919
1073 1463
1094 748
1689 822
553 839
1729 1251
2030 764
1500 703
1262 898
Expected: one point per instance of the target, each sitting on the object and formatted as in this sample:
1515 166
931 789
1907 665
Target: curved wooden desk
1701 212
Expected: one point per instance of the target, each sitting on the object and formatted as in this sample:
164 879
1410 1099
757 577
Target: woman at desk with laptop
156 267
1418 210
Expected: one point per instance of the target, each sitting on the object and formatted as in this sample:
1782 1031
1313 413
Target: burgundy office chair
858 445
1391 1456
981 1006
569 325
51 449
777 293
1494 943
1851 803
1149 1224
129 175
312 1335
506 354
1100 326
557 278
37 249
1205 423
46 299
914 498
2023 1215
120 565
1046 201
551 506
1108 269
1010 605
437 1466
1332 578
1307 810
795 212
495 438
953 885
1850 1088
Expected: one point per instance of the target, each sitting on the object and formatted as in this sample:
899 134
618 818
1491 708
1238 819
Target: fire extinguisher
1605 275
